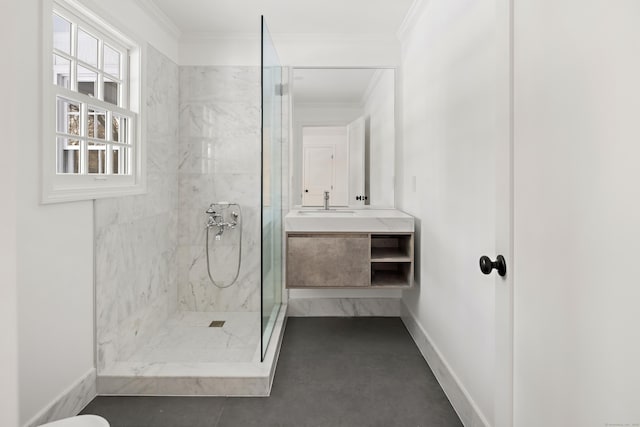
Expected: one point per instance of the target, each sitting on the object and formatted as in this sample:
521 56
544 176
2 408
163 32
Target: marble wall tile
137 328
222 84
219 160
136 236
184 386
339 307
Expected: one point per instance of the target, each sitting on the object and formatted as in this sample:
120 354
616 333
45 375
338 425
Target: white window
92 135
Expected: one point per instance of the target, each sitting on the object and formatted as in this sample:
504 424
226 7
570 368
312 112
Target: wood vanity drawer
325 260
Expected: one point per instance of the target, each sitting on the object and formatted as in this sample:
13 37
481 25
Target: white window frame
73 187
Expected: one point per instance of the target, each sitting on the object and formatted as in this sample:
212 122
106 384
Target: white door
455 174
355 132
325 165
318 170
577 213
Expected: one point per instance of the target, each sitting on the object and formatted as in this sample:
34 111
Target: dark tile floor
363 371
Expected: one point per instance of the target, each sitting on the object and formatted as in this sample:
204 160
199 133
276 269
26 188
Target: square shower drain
216 324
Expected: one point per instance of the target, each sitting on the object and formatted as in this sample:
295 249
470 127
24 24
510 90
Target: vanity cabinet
328 260
349 260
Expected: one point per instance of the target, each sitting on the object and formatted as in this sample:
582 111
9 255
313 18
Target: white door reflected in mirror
325 166
360 102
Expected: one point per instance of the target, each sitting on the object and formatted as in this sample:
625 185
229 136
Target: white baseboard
465 407
70 402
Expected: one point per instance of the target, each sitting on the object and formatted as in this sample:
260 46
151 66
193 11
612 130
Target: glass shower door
271 266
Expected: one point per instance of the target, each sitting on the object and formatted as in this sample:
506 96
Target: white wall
379 111
54 253
577 210
446 181
8 219
8 285
54 242
8 294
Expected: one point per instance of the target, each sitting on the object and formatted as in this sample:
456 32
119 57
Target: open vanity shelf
349 260
391 260
391 247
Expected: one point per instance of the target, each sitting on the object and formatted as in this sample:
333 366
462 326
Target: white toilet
79 421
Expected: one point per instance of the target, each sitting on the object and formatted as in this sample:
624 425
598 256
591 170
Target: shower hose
239 252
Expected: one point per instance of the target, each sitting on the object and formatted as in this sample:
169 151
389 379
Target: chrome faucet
326 200
216 219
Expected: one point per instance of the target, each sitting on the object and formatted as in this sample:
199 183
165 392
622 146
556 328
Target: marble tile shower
154 300
219 161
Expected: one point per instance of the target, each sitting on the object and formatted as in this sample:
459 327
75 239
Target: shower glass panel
271 269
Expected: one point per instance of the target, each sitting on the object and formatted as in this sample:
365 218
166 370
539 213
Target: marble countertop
348 220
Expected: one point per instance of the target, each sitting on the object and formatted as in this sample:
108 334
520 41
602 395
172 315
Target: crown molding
288 37
195 36
333 37
331 104
161 18
410 18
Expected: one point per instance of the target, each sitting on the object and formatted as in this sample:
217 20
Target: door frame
352 202
504 286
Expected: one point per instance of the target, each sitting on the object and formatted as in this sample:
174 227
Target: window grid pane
61 34
87 48
119 129
68 156
111 91
120 160
96 121
97 158
87 81
61 71
68 117
111 63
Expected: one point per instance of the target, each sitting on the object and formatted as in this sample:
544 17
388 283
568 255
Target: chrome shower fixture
216 218
219 217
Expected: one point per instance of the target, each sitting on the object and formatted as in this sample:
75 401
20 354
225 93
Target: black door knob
306 191
486 265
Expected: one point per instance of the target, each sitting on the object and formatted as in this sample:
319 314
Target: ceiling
370 18
337 85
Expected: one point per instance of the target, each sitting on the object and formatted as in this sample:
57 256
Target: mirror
343 137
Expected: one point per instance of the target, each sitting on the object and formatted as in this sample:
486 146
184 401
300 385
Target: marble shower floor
186 337
187 357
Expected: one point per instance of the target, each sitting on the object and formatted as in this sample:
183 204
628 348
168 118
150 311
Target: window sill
74 194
